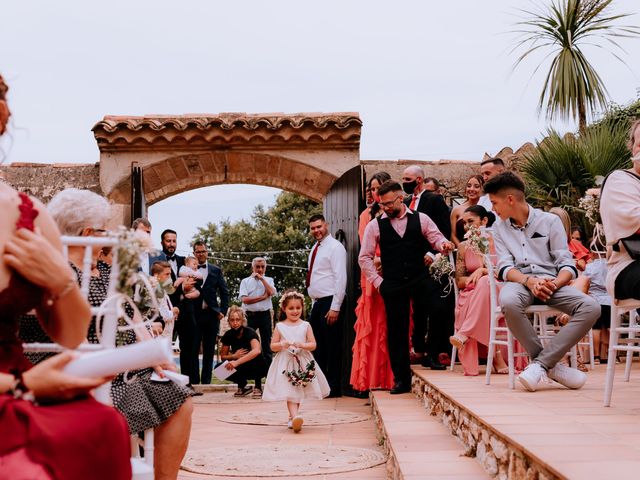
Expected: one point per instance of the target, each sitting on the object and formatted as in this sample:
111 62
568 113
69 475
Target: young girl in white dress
292 375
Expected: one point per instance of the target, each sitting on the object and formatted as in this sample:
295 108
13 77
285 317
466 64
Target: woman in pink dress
473 309
370 367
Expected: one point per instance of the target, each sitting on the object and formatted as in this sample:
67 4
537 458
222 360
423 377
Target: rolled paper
112 361
176 377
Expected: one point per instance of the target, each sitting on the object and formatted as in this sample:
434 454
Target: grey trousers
583 309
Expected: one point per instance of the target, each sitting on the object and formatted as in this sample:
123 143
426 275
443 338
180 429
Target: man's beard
393 213
170 250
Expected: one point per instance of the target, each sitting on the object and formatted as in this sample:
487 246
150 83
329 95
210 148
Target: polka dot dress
144 403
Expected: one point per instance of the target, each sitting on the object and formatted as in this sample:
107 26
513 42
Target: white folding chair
142 468
506 337
629 345
454 350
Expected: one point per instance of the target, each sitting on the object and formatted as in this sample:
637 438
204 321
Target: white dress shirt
329 273
252 287
486 202
144 262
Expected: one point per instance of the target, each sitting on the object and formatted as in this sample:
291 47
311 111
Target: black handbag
631 243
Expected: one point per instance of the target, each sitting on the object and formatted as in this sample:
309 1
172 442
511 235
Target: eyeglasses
390 203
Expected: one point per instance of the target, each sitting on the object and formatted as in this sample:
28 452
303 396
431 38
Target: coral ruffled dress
80 439
370 367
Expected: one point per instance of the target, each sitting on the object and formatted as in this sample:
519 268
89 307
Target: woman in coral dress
370 367
473 308
51 429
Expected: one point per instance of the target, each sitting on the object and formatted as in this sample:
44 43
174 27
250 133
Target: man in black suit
439 325
185 327
208 310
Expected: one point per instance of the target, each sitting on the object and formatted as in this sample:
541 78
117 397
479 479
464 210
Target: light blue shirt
539 248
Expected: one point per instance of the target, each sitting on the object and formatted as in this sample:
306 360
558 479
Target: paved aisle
208 431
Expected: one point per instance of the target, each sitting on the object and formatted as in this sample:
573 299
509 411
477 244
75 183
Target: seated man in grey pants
536 265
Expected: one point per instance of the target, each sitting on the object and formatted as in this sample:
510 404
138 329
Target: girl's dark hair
380 177
482 212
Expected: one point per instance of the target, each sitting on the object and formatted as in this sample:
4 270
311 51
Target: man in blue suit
209 309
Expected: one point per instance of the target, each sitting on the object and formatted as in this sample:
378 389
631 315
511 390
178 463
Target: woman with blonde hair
243 353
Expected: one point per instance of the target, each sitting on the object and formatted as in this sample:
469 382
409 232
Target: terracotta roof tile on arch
226 129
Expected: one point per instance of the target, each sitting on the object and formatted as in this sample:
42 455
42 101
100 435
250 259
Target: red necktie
412 205
313 259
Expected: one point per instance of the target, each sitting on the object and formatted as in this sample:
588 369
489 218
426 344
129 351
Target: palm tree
572 88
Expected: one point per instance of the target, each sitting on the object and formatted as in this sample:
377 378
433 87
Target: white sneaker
569 377
531 376
290 423
296 423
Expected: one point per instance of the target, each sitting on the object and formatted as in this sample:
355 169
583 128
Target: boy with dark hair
535 263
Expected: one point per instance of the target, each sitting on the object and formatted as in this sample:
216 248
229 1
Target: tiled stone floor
208 431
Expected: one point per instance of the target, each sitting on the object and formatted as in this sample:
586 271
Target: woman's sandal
458 341
500 371
257 393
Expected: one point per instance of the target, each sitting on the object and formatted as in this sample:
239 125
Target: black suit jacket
162 257
212 288
434 206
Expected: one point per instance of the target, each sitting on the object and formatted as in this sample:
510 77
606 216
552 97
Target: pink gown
473 316
370 367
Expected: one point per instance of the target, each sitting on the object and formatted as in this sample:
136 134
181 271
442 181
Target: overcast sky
431 80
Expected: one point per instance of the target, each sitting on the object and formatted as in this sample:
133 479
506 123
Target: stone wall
452 174
501 459
44 180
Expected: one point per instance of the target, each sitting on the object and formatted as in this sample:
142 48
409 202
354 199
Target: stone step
553 433
419 446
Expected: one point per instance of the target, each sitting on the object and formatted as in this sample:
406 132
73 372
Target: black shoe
358 394
400 387
432 363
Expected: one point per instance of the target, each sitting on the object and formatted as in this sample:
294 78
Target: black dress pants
397 303
328 352
261 322
186 329
435 322
207 326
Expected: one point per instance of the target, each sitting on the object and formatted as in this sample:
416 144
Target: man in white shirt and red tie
326 285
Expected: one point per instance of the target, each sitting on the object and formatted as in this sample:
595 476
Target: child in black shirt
241 347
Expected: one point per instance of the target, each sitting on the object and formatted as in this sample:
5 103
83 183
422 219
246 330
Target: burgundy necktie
313 259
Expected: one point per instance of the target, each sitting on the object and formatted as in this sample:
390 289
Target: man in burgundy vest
404 238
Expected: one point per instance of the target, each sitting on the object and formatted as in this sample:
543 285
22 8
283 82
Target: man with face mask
405 238
440 315
423 200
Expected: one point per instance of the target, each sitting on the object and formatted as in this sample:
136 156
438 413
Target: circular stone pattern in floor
278 418
281 461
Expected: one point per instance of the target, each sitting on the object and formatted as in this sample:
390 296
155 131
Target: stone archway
302 153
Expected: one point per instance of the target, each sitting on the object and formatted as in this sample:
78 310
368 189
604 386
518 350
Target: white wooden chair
142 468
629 345
499 335
454 350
